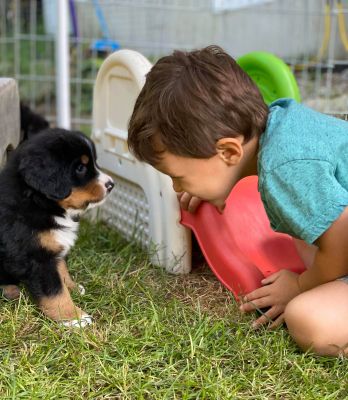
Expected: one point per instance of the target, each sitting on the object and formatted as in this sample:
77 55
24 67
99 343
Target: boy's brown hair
189 101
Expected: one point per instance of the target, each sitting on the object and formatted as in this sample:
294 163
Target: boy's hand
191 203
188 202
278 290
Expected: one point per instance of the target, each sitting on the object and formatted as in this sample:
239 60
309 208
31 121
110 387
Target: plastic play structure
239 245
9 116
272 76
144 207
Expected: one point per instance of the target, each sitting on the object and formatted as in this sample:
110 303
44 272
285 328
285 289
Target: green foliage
32 63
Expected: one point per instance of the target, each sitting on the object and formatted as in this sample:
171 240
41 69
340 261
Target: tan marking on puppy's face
49 242
81 197
84 159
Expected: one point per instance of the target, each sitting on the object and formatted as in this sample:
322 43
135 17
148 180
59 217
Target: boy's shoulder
296 132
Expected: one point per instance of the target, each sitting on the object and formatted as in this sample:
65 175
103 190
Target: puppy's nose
109 186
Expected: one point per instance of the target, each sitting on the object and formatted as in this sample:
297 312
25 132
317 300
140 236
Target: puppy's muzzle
106 183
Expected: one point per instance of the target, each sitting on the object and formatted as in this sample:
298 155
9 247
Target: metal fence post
62 65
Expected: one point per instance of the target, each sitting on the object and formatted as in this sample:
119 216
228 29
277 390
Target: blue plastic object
105 44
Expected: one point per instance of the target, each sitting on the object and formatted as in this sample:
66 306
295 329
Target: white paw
81 289
78 323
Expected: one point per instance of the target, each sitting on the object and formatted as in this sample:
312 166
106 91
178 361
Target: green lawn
155 336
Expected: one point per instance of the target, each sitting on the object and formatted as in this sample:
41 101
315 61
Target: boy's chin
220 206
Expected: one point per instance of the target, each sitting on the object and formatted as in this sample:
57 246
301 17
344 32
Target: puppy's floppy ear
45 175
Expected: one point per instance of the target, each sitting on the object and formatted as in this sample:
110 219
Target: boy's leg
318 319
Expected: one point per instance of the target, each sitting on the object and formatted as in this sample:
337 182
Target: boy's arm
331 259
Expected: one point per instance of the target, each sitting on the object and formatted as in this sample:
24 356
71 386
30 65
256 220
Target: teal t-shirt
303 169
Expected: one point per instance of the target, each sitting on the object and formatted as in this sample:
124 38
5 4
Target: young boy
201 120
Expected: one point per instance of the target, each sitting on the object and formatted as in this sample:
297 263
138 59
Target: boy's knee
309 329
297 322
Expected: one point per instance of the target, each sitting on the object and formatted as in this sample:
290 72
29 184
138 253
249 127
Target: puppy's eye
81 169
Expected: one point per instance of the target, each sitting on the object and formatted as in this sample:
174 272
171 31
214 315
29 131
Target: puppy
31 122
49 181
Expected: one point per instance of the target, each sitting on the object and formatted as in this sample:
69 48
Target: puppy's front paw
11 292
78 323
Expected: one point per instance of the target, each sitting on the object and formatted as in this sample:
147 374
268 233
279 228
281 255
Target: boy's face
210 179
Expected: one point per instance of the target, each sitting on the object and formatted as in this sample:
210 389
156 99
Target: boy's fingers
179 194
184 200
188 202
257 294
256 304
194 204
277 322
267 317
270 279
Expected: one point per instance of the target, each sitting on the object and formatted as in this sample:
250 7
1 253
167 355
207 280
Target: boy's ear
230 150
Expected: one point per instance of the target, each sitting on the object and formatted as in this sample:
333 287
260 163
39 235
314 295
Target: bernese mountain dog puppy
31 122
48 182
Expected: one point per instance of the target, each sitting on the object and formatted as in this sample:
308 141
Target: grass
155 336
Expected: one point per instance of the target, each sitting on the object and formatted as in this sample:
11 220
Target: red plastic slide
239 245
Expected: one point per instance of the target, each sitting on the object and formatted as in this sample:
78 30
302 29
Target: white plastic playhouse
143 206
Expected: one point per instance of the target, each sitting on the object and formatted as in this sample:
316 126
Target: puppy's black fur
48 182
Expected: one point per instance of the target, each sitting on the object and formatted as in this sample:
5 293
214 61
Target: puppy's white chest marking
66 234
